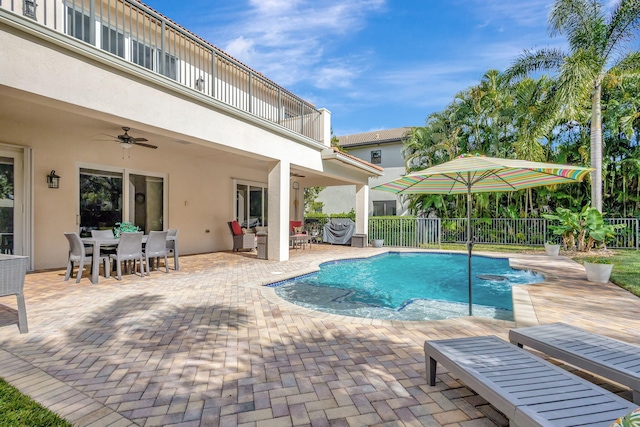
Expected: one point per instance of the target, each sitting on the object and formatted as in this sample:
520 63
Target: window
100 200
384 208
78 25
376 157
106 200
113 41
251 205
171 66
143 55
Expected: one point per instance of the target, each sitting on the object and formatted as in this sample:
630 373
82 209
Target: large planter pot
377 243
598 272
552 250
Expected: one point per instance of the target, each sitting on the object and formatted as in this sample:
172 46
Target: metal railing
406 232
135 33
501 231
413 232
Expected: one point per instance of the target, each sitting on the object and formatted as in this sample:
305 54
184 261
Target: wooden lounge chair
528 390
612 359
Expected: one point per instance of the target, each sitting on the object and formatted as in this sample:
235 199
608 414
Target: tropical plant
582 231
595 46
568 227
598 232
124 227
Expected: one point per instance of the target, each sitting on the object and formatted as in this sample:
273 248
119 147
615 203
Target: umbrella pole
469 243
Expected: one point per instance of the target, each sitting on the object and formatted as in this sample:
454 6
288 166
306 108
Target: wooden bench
612 359
527 389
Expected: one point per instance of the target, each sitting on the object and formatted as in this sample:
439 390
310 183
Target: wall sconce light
53 180
200 84
29 8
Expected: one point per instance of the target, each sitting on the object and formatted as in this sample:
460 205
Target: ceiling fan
126 140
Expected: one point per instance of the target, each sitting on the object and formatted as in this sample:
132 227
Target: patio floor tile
210 345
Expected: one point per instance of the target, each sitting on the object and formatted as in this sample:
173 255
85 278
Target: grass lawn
20 410
626 265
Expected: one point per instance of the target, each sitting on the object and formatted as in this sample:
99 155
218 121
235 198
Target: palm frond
623 26
534 61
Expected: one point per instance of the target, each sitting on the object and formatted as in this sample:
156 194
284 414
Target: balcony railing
138 34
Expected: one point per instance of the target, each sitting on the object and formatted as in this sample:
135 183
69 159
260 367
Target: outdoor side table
13 268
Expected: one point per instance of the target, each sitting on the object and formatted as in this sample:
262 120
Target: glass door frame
127 197
249 184
23 224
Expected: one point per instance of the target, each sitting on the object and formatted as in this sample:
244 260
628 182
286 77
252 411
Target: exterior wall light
29 8
53 180
200 84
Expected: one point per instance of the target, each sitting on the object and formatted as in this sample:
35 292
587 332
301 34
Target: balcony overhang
333 154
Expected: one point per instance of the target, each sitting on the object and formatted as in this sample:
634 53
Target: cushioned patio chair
241 240
296 227
129 249
79 255
156 247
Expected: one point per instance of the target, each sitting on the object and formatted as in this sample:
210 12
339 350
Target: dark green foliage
19 410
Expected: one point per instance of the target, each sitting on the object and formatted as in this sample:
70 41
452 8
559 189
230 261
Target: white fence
432 232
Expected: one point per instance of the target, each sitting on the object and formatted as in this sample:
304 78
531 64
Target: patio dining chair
79 255
129 249
156 247
172 247
105 234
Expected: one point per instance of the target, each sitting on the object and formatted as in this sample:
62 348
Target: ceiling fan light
125 145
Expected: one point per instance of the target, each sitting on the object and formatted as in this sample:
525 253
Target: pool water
409 286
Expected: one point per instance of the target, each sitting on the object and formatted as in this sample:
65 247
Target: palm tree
596 43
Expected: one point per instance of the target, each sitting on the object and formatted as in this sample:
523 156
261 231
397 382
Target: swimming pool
408 286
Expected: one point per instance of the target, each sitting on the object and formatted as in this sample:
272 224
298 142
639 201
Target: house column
325 116
362 209
278 211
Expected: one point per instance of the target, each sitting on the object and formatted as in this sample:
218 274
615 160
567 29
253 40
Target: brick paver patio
210 346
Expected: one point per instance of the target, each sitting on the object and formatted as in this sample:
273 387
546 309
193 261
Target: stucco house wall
62 102
388 145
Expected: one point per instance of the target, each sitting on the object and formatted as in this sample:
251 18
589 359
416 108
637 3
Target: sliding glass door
105 200
100 200
12 216
251 204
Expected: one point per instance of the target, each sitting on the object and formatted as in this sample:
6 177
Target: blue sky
375 64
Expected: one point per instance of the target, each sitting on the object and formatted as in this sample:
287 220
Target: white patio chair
172 247
129 249
156 247
12 271
105 234
79 255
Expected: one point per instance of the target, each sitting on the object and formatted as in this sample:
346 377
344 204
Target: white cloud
287 40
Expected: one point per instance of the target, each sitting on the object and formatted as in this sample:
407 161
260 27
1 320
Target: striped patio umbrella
479 174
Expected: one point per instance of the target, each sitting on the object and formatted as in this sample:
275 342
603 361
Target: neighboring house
221 141
381 148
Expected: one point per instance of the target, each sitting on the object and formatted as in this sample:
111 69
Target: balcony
132 32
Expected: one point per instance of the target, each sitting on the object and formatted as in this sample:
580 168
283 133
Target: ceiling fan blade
145 145
139 139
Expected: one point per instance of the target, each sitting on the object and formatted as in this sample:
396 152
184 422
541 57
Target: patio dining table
97 243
